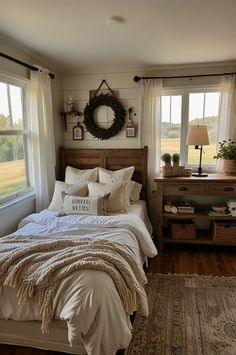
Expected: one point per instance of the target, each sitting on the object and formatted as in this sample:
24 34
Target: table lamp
198 136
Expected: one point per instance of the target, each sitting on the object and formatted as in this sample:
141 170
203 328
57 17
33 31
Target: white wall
11 215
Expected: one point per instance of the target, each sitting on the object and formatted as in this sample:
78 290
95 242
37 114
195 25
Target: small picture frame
78 133
130 130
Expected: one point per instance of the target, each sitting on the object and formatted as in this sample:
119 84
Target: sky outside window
171 108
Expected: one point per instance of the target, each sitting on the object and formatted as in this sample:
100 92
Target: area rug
189 315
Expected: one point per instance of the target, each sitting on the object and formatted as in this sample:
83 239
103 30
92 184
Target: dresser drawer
182 189
222 189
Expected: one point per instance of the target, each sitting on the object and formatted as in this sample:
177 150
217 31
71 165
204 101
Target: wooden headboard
111 159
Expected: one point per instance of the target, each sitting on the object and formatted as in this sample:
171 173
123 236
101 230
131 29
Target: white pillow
135 194
75 176
60 186
108 176
119 199
90 205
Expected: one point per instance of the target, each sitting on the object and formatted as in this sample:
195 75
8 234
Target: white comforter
88 299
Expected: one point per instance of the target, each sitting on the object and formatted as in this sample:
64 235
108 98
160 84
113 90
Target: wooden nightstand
171 188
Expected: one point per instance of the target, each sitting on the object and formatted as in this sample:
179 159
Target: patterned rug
189 315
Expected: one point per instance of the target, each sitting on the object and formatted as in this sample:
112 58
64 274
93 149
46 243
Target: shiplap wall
78 86
126 91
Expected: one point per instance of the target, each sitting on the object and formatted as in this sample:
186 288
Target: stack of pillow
95 191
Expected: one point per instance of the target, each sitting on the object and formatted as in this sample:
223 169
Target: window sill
17 202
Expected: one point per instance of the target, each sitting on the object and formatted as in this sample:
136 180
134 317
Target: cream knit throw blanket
38 264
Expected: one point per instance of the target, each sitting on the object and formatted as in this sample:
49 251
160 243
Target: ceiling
77 35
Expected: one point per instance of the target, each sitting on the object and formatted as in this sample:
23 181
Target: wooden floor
202 260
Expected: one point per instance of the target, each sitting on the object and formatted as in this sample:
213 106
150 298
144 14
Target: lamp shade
197 135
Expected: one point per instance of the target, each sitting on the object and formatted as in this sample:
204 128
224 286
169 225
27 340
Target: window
184 107
13 140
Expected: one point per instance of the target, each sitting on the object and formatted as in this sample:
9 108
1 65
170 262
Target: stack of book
218 213
185 209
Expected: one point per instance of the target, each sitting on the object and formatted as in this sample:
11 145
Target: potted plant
175 159
166 157
227 152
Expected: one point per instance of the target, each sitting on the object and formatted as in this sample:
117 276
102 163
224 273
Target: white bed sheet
47 222
139 209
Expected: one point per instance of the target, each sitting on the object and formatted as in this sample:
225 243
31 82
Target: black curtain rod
138 78
28 66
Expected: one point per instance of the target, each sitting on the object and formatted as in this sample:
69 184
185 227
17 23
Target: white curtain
41 137
150 100
227 113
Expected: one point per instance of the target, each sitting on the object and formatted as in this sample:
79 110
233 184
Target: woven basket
224 231
176 170
230 167
182 229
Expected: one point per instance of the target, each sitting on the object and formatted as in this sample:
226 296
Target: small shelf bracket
64 116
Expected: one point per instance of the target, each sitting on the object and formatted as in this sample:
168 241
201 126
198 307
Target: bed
90 307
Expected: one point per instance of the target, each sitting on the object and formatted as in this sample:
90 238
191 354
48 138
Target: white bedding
139 209
87 300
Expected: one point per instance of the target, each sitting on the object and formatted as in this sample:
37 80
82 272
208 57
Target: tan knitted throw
37 265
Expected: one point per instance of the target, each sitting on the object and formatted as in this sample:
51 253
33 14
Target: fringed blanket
37 265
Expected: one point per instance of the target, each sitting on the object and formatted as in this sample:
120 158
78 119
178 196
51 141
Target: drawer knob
228 189
183 188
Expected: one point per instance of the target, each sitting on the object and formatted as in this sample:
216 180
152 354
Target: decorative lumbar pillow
107 176
80 189
118 201
60 186
135 194
75 176
90 205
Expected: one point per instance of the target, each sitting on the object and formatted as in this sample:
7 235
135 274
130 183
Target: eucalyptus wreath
118 122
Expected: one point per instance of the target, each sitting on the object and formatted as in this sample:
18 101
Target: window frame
185 93
19 82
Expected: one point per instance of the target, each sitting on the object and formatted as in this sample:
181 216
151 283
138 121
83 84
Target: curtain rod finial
136 78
